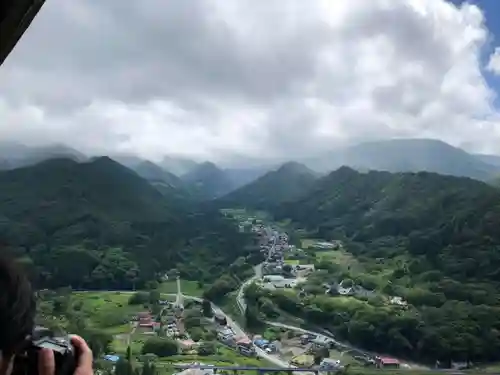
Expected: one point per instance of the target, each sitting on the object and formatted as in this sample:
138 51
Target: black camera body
26 363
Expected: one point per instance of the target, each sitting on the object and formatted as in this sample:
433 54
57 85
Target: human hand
47 364
84 356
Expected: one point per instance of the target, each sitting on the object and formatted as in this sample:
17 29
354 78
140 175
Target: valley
352 271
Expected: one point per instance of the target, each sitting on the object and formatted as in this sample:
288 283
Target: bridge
260 370
289 370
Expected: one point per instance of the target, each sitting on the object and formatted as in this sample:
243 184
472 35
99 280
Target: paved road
240 298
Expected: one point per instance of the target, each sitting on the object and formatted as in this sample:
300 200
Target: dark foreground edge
15 17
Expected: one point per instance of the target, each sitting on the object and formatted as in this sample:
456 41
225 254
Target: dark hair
17 307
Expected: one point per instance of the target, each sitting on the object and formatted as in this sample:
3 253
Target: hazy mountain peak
407 155
295 167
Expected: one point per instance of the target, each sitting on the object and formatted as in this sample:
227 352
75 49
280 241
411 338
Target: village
195 324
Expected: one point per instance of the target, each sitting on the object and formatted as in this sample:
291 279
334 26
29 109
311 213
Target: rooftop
388 361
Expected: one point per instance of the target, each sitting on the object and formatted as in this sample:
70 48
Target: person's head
17 312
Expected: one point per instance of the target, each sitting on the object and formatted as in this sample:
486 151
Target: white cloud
494 62
213 78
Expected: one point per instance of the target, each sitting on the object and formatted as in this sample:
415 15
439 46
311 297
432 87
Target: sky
260 79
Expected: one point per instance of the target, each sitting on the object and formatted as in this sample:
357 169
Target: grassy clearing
340 257
106 310
292 262
190 288
308 242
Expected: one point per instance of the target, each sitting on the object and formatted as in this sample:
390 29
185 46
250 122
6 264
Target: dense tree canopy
99 225
284 184
443 230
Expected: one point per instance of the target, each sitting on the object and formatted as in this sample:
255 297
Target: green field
189 288
109 311
292 262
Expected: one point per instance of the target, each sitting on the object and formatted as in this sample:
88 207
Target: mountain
407 155
129 161
99 225
157 175
167 183
242 176
430 239
489 159
209 180
16 155
286 183
178 166
72 190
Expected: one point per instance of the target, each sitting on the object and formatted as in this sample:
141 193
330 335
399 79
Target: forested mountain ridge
286 183
442 217
439 234
99 225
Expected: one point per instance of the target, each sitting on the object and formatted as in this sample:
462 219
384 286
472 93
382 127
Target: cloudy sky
258 78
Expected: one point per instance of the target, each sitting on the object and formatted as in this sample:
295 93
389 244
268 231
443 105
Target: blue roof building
261 343
112 358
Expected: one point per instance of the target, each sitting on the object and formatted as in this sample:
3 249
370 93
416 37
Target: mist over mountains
209 180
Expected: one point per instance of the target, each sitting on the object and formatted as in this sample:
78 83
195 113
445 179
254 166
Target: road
129 338
240 298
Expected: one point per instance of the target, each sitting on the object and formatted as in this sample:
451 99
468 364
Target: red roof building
244 341
387 362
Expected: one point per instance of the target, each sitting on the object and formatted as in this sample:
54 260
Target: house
145 320
329 364
303 270
245 346
111 358
387 362
322 341
302 360
275 346
345 291
398 301
196 371
220 319
261 343
273 278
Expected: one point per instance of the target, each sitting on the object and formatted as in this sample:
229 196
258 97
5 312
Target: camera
26 362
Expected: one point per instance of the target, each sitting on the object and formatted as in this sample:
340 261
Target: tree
123 367
148 368
162 347
192 318
206 308
152 285
98 341
207 348
154 297
196 333
138 298
252 319
129 354
320 354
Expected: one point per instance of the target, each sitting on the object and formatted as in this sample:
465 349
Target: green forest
446 230
98 225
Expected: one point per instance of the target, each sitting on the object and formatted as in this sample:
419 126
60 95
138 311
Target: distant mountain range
16 155
208 180
409 155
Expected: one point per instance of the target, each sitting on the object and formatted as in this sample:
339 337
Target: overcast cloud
265 79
